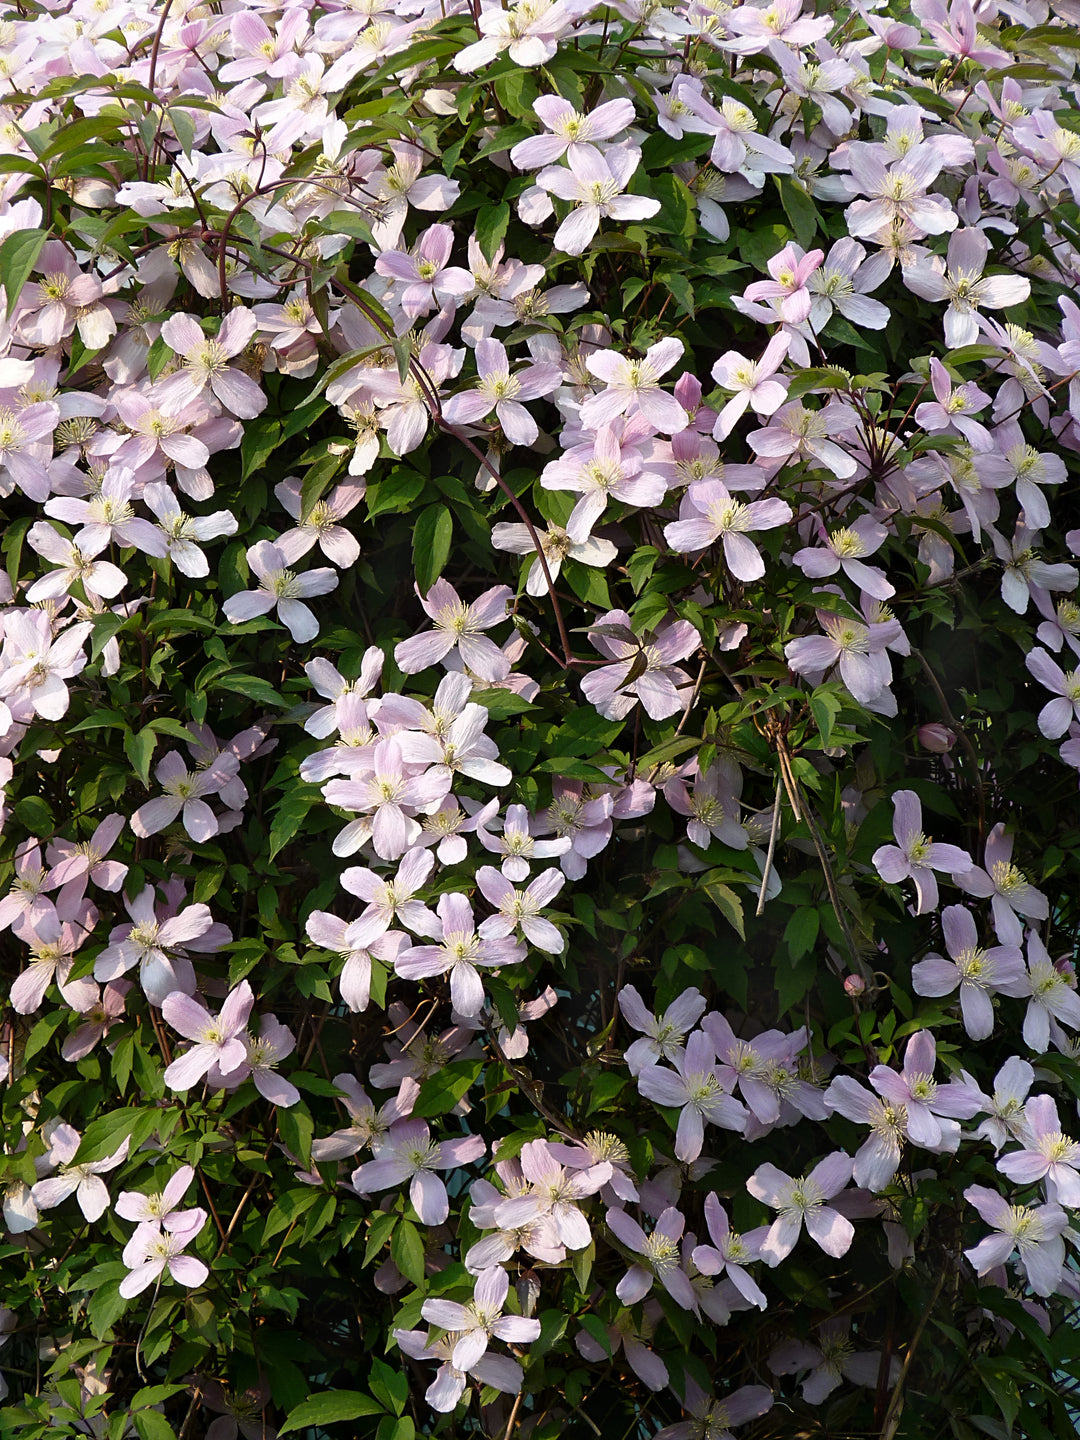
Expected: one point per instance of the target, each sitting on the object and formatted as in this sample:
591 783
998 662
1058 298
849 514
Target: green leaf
296 1128
42 1033
490 228
11 547
331 1406
18 256
729 905
291 814
158 356
152 1425
347 222
253 686
799 208
140 751
261 438
440 1092
183 128
105 626
407 1252
432 535
801 932
395 494
104 1136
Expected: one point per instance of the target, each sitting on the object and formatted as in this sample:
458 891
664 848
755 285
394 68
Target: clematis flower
660 1258
925 1101
390 900
791 270
1046 1155
644 667
217 1039
696 1090
499 389
557 545
845 549
409 1153
159 1207
952 407
206 364
1034 1233
554 1191
427 279
82 1181
475 1323
729 1253
979 973
831 1361
709 513
634 386
1006 1105
803 1202
898 192
663 1035
282 588
751 383
1052 998
444 1392
97 1020
520 909
714 1418
571 133
915 857
77 565
459 626
460 951
595 183
184 533
960 280
1056 715
152 1251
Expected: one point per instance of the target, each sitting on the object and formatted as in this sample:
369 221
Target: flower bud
855 985
937 738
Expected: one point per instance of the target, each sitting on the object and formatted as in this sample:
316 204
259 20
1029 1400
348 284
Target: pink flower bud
855 985
937 738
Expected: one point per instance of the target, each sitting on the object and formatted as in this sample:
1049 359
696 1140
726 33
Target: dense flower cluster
447 263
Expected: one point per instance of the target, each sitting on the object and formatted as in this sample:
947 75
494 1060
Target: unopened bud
937 738
855 985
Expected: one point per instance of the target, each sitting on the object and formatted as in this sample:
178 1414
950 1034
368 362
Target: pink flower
731 1253
595 183
663 1035
924 1100
322 526
695 1089
803 1202
206 365
160 1206
952 407
184 790
878 1158
389 900
34 665
499 390
444 1392
898 192
554 1192
460 951
660 1258
1052 998
714 1418
644 668
151 1251
751 383
459 626
82 1181
282 588
915 857
99 578
571 132
409 1153
845 549
790 270
1047 1155
474 1324
427 279
709 513
960 280
634 386
97 1021
796 433
217 1041
1034 1232
979 973
520 909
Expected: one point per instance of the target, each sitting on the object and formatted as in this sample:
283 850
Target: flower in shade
553 1191
473 1325
644 667
281 587
802 1202
712 1419
830 1361
924 1100
878 1158
915 857
663 1035
1052 998
156 946
152 1251
696 1090
729 1252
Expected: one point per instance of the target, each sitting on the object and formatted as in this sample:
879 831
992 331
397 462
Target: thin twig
773 831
